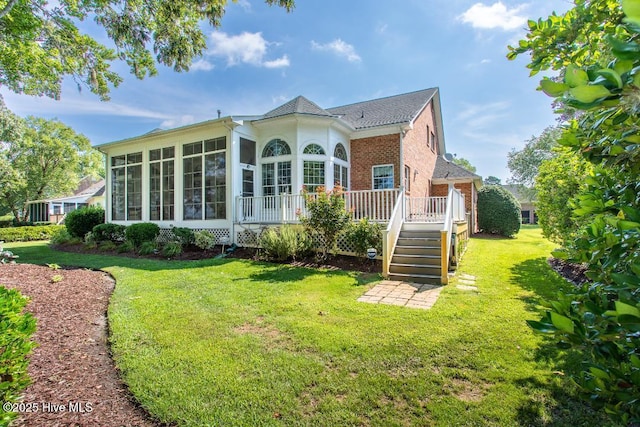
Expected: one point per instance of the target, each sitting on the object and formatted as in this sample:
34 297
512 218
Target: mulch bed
74 380
574 273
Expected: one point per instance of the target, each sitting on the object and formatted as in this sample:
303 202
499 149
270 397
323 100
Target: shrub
183 235
363 235
172 249
25 234
125 247
142 232
107 246
61 237
16 328
284 243
326 216
204 239
82 221
148 248
498 211
112 232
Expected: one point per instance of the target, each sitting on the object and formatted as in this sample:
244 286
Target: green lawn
232 342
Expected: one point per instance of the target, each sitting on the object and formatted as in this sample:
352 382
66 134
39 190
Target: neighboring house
527 206
233 175
90 192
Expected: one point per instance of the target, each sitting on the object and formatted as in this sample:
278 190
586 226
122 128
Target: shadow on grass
286 273
537 276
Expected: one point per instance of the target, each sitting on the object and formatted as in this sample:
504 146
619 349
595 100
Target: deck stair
417 255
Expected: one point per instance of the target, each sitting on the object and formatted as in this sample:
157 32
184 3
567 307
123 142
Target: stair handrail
446 235
391 233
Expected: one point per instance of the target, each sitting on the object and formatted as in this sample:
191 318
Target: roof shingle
298 105
449 170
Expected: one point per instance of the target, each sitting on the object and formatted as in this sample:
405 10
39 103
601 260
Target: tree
492 180
46 161
598 56
41 42
461 161
524 164
559 181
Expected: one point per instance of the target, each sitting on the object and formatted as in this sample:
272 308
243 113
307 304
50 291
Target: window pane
247 151
118 188
134 158
117 160
192 148
192 188
276 147
313 175
168 190
284 177
168 152
215 144
154 155
215 185
134 193
340 152
154 190
382 177
313 149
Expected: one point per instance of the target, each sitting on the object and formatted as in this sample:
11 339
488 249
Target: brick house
232 175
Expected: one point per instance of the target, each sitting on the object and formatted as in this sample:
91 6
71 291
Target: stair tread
417 247
422 276
416 255
400 264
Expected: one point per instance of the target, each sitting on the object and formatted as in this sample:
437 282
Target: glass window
247 151
407 178
126 187
161 184
341 176
276 147
205 180
382 177
433 141
313 172
313 149
340 152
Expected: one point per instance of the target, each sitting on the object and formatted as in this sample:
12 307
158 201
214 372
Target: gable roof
298 105
391 110
450 171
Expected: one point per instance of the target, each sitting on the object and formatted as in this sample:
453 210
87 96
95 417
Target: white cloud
481 116
202 65
245 5
245 48
338 47
174 122
496 15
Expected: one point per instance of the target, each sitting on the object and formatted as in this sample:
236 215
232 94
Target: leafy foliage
599 57
82 221
461 161
558 183
498 211
364 235
148 248
184 235
16 329
142 232
62 237
42 43
204 239
108 231
286 242
492 180
172 249
25 234
326 216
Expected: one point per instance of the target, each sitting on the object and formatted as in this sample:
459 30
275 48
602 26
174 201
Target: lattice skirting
249 237
167 235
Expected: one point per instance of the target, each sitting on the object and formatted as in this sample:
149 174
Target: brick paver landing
414 295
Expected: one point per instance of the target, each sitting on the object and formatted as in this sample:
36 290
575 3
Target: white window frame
373 176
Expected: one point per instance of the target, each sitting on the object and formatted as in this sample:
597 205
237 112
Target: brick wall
368 152
419 156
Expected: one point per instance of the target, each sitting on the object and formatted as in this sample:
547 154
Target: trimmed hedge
82 221
499 212
142 232
112 232
16 329
26 234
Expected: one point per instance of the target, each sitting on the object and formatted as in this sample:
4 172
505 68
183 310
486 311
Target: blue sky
337 52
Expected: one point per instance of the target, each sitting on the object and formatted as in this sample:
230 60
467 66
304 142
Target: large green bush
286 242
25 234
363 235
112 232
498 211
16 328
326 217
142 232
82 221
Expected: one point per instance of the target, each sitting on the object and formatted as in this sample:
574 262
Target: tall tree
46 161
41 43
525 163
461 161
492 180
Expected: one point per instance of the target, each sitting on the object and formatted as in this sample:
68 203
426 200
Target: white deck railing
391 233
455 211
376 205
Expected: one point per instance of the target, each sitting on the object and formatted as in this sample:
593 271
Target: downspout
401 171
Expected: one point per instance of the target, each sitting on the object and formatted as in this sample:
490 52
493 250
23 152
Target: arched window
276 170
313 149
340 167
340 152
276 147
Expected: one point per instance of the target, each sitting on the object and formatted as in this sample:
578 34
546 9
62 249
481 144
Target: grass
233 342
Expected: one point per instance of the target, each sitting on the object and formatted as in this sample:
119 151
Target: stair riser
399 259
428 281
425 243
415 269
402 250
410 226
421 234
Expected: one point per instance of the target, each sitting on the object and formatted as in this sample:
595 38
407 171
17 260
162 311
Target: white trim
393 176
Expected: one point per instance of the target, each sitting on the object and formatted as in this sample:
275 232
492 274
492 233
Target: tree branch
7 8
